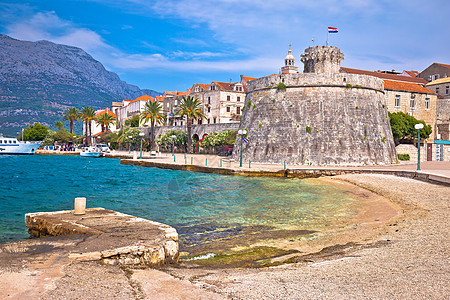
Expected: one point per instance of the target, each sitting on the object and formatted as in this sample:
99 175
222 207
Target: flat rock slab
109 236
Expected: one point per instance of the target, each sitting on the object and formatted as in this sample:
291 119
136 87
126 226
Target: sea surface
191 202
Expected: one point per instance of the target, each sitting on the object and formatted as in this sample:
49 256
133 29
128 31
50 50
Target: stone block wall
320 119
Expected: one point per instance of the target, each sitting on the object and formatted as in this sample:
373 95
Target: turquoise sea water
182 199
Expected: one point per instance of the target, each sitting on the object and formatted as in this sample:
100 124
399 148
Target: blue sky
171 44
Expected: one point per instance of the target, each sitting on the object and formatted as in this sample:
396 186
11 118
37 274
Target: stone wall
443 118
320 119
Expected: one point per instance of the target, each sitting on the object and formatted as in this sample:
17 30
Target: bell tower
289 63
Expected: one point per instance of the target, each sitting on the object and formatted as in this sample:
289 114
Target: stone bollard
80 206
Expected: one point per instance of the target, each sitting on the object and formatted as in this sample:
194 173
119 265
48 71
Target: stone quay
110 237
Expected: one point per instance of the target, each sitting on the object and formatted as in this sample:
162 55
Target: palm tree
72 115
153 112
88 114
190 107
105 120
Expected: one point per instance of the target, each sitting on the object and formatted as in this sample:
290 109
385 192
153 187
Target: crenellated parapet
322 59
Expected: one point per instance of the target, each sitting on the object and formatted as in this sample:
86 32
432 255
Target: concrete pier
112 237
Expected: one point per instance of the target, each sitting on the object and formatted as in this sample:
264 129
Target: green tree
128 136
59 125
133 121
165 140
190 107
35 132
72 115
105 120
88 114
402 126
153 112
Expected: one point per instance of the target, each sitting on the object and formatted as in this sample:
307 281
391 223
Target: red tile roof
160 98
248 78
444 65
385 76
412 73
144 97
109 112
224 85
405 86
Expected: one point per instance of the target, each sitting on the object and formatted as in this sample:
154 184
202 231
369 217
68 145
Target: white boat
91 152
13 146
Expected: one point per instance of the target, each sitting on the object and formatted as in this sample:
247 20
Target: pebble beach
406 257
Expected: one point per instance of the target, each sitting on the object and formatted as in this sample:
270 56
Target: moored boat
13 146
91 152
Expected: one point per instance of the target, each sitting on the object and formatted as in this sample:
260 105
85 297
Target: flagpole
328 32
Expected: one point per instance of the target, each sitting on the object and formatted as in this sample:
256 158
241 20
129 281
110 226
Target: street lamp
173 144
129 144
418 126
141 134
241 133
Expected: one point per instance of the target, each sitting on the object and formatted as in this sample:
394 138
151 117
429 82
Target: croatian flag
332 30
245 140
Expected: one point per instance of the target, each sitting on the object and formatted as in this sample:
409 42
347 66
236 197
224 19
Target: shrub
308 129
403 156
281 86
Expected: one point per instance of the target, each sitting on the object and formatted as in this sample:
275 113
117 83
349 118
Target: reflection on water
179 198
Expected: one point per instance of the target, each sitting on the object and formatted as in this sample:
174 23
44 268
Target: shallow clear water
182 199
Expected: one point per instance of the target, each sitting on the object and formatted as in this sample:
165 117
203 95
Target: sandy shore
403 256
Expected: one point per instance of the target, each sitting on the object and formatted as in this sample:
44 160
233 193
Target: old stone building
289 64
130 108
317 118
435 71
406 94
222 102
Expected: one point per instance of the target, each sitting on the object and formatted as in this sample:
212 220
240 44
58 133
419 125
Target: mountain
40 80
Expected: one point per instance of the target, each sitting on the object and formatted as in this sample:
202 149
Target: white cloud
48 26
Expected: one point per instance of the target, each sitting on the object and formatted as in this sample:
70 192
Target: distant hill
40 80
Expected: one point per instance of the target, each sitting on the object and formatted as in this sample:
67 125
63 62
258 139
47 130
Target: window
412 104
228 98
200 121
397 100
214 120
238 110
427 103
14 142
447 89
238 99
209 100
10 141
209 109
176 102
209 121
213 88
228 109
175 123
435 76
437 90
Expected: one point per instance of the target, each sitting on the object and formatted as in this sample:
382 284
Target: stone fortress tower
319 117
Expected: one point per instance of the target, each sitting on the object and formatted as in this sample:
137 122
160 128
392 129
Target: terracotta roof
444 65
224 85
204 86
109 112
385 76
248 78
405 86
160 98
144 97
412 73
169 93
439 81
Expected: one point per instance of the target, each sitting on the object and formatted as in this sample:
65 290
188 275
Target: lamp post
141 134
173 144
241 133
129 144
418 126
